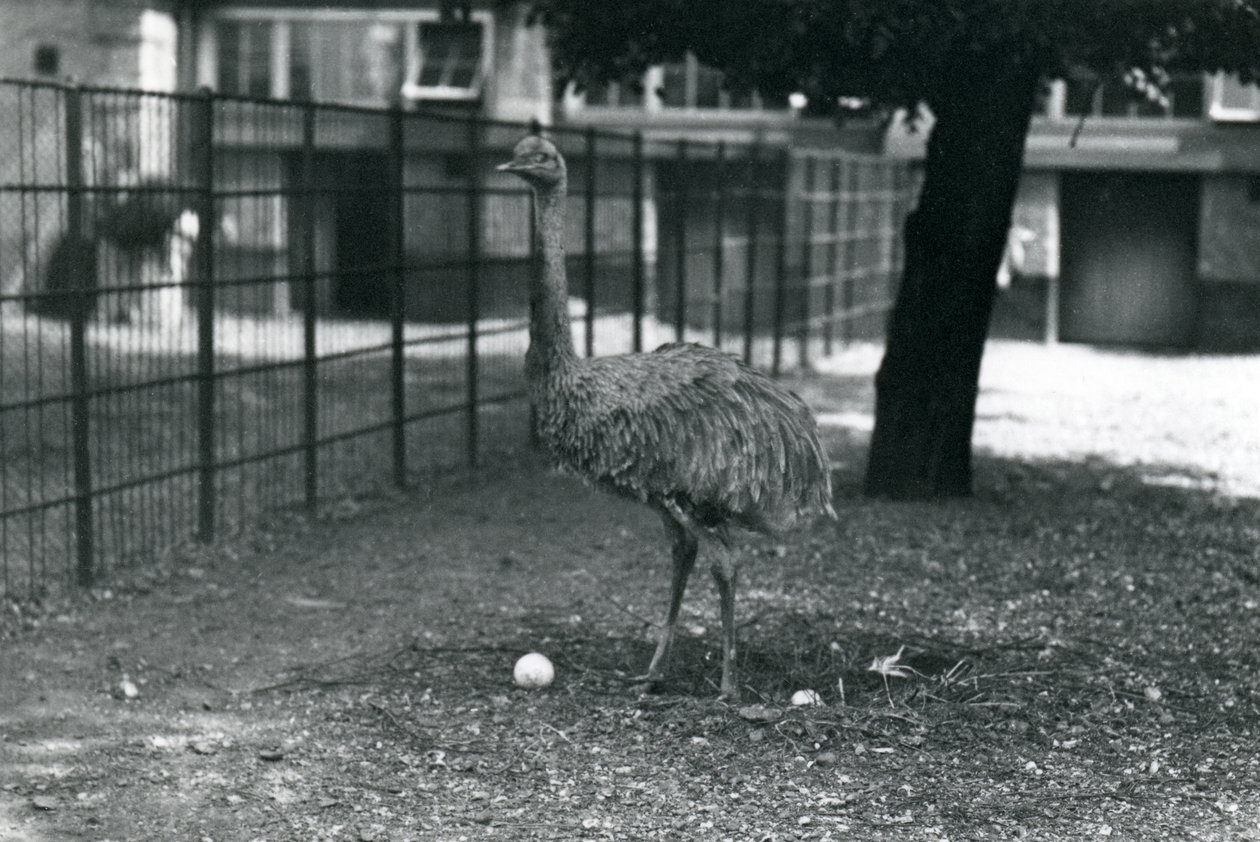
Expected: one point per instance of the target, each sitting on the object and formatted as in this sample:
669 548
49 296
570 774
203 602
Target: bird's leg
725 572
684 555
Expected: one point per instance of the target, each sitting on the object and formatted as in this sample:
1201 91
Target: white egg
801 698
533 670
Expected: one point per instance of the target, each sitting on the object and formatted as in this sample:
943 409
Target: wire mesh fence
211 306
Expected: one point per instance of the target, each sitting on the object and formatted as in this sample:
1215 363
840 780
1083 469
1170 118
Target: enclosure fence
212 307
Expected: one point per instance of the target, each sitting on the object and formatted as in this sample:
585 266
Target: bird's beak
510 166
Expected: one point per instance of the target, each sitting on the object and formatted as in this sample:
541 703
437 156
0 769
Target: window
615 95
1183 99
1045 99
450 60
691 85
683 85
345 61
47 60
245 51
1234 101
361 57
1186 93
674 89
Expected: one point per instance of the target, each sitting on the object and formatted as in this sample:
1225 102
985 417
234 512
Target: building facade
1139 220
482 57
120 43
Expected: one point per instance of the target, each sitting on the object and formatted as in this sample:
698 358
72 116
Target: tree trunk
928 381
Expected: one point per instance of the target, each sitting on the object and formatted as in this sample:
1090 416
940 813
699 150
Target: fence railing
212 306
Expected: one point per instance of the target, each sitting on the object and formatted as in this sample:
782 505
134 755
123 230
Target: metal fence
212 306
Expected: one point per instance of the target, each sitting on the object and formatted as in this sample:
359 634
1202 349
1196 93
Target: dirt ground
1077 650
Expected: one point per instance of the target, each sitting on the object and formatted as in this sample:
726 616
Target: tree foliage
900 52
977 65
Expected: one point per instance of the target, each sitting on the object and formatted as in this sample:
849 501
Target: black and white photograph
716 420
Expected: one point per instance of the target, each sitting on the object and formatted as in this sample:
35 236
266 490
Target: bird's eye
540 157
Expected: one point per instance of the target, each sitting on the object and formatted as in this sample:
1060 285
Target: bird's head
536 160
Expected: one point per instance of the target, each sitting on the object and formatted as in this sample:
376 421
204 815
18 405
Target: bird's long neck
550 338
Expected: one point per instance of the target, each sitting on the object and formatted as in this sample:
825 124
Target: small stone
825 759
45 803
271 755
758 713
464 764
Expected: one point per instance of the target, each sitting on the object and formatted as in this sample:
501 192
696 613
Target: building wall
520 85
1229 227
117 43
517 86
1229 231
1228 316
1037 211
1019 310
107 43
1229 262
58 23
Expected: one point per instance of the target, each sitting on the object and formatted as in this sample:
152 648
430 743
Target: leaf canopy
900 52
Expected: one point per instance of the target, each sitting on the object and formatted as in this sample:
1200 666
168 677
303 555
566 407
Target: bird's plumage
691 426
707 441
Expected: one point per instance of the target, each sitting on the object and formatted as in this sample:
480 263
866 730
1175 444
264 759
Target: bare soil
1077 651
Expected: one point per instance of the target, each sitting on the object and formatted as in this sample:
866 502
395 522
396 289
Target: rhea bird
708 442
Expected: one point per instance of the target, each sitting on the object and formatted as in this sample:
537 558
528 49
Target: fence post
535 271
780 259
306 256
398 293
203 172
719 241
833 255
589 240
897 224
680 242
80 401
851 220
807 257
750 279
1050 334
474 283
637 262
